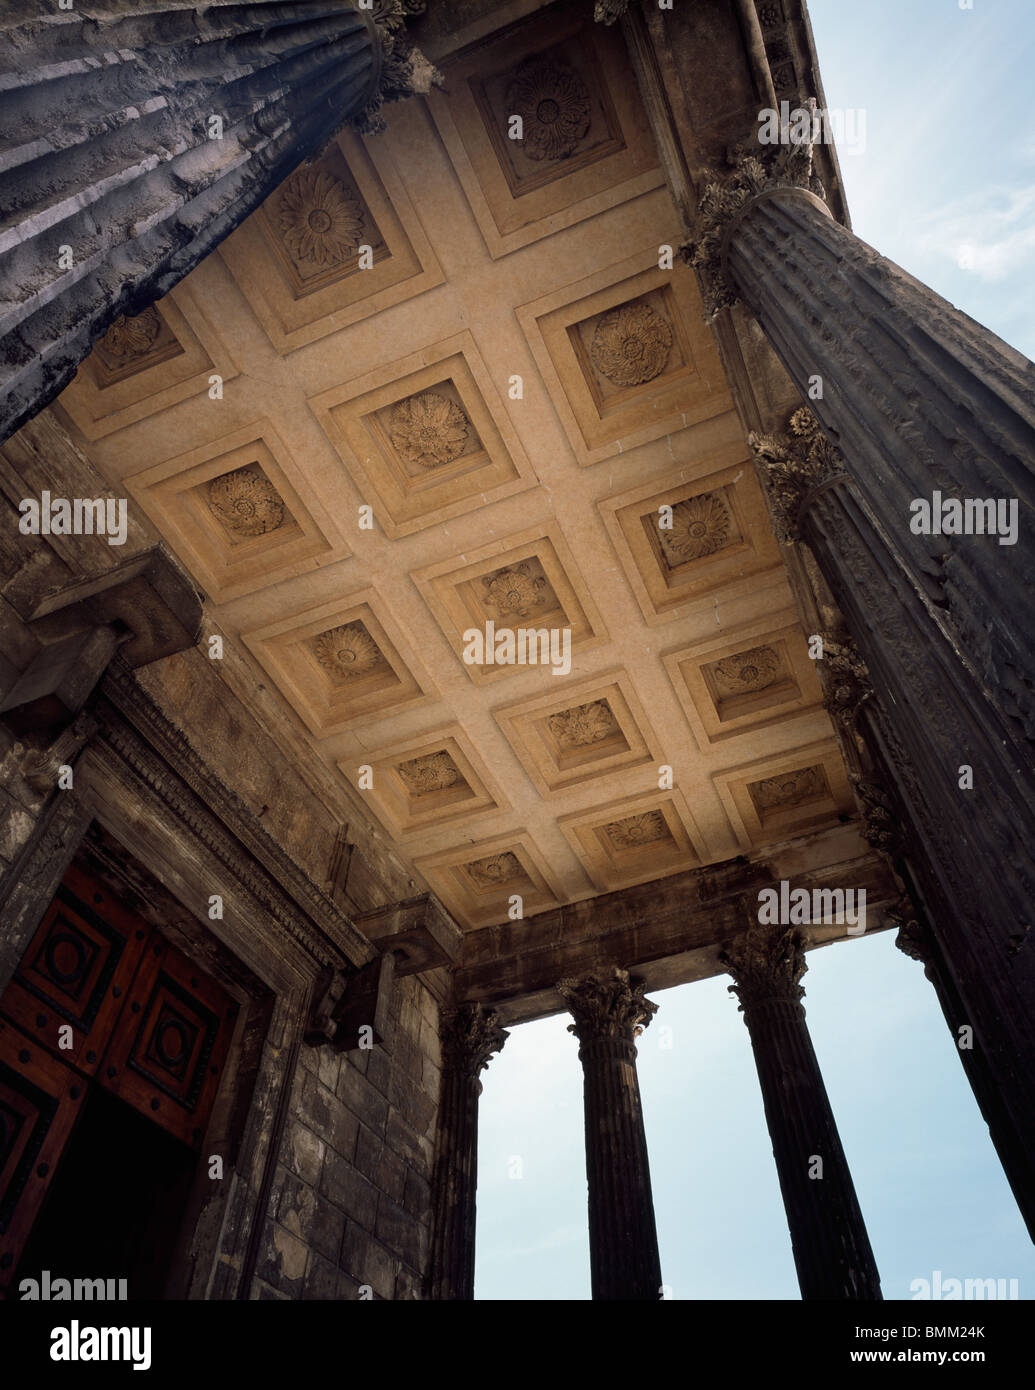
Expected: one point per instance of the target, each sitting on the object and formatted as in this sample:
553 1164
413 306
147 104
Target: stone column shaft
469 1038
971 851
919 398
831 1248
623 1238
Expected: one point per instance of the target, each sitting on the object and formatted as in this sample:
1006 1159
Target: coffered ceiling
446 377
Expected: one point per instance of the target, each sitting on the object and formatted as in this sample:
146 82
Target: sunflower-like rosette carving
346 652
434 772
246 502
496 869
583 725
428 429
747 671
700 526
553 103
516 591
631 344
131 337
788 788
321 220
633 831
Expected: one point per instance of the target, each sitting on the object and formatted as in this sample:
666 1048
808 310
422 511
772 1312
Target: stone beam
665 932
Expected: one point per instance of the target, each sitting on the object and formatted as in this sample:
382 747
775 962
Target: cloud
990 233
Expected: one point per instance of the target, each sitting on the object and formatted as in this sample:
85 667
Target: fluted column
137 136
831 1248
916 940
469 1036
970 849
609 1012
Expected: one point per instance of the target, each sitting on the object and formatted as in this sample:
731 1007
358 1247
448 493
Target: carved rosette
346 652
845 679
130 337
434 772
428 429
700 527
787 788
631 344
320 218
496 869
583 725
470 1035
606 1006
634 831
553 103
753 169
791 466
767 964
514 592
746 672
246 502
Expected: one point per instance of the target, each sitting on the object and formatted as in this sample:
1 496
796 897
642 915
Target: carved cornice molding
767 963
606 1006
791 466
470 1036
161 756
754 171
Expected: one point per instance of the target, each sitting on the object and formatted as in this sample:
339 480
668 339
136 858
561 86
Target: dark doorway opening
115 1204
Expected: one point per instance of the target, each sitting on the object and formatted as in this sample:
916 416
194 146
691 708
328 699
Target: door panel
40 1098
169 1045
77 970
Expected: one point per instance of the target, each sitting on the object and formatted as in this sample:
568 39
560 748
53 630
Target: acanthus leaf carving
553 103
631 344
606 1005
470 1035
767 963
246 502
429 429
583 725
791 466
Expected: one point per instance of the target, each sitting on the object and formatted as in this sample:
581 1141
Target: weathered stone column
139 135
916 940
919 398
831 1248
469 1038
967 835
609 1011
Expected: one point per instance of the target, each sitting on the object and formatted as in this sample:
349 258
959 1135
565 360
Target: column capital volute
793 465
912 938
767 963
754 172
607 1006
470 1035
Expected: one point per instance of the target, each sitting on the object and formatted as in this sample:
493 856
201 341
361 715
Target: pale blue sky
945 187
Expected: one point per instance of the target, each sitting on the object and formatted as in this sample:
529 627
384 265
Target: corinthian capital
404 69
606 1005
609 11
766 963
753 169
470 1035
792 465
845 678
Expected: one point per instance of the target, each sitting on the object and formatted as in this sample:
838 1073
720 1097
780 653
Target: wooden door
100 999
